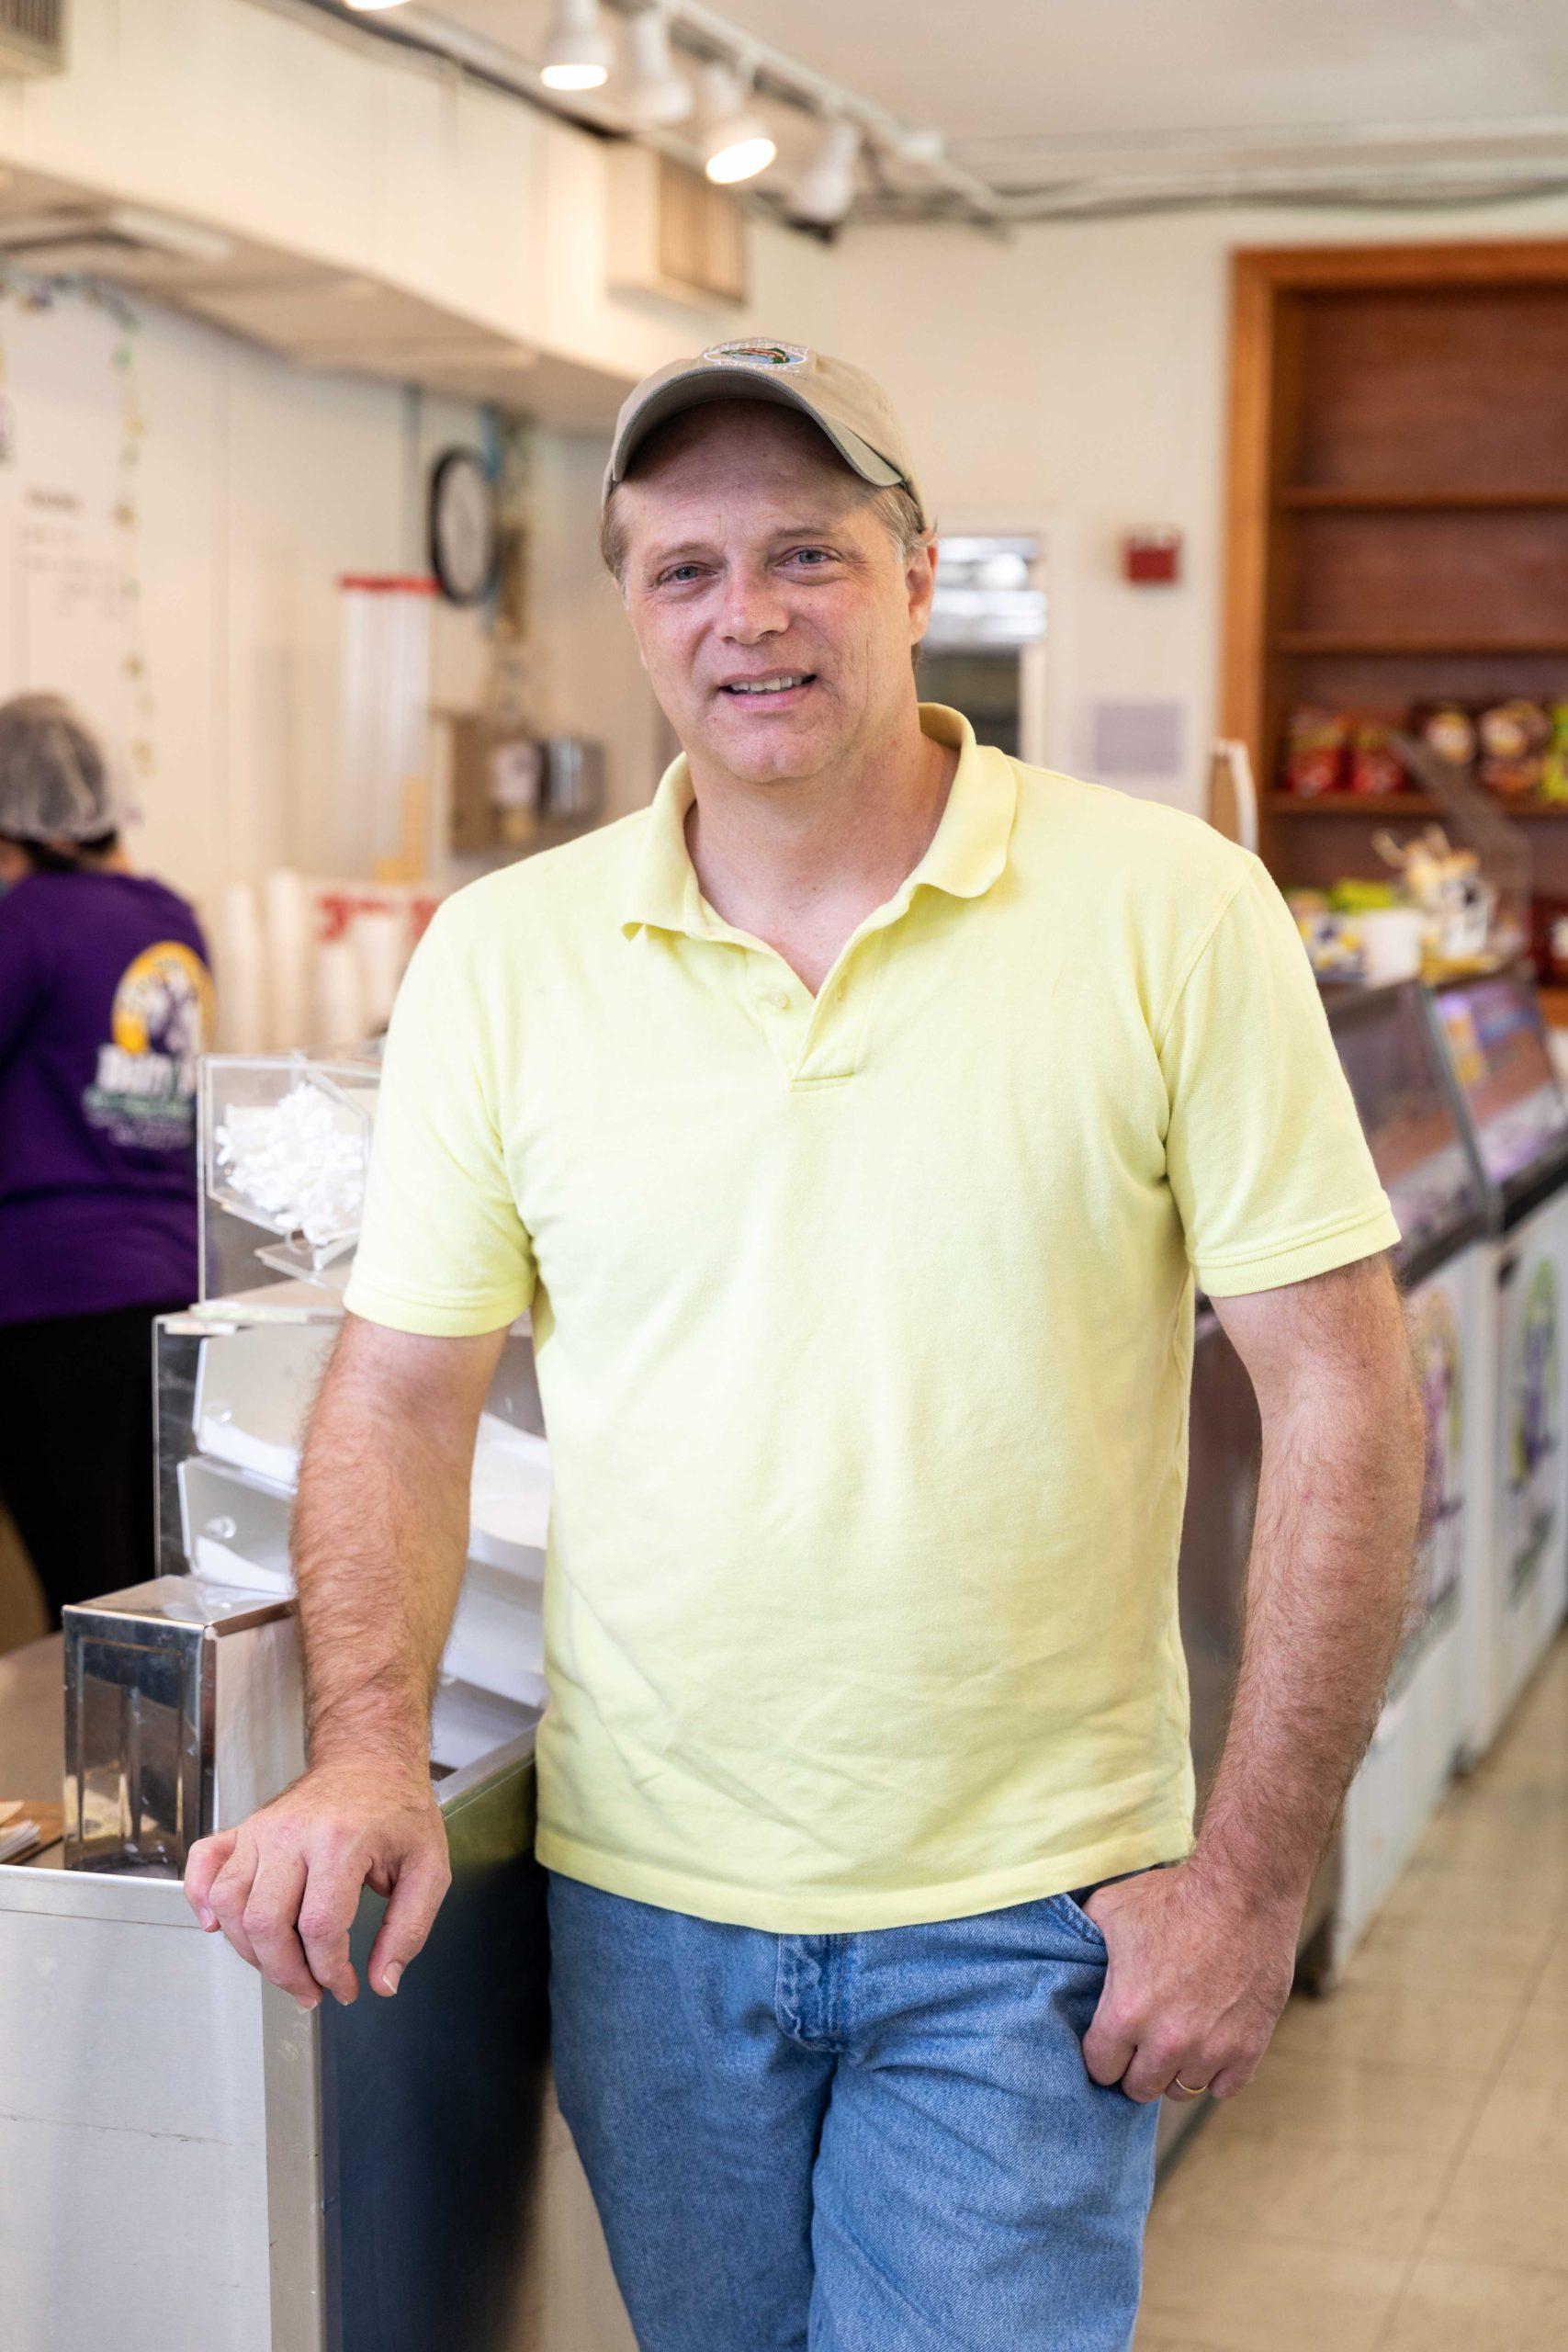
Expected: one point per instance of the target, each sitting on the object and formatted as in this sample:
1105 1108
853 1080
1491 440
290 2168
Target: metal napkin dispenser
183 1711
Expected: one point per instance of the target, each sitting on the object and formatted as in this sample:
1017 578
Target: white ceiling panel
1060 72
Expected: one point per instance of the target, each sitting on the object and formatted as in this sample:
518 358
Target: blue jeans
876 2143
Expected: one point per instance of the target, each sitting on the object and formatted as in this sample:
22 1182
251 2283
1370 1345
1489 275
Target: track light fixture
736 142
579 53
657 93
825 189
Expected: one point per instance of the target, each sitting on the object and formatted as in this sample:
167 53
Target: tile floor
1396 2177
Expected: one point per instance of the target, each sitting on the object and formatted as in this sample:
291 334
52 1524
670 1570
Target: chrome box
183 1711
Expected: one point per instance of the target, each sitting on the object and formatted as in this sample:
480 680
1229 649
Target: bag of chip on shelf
1376 768
1554 767
1448 731
1314 753
1514 736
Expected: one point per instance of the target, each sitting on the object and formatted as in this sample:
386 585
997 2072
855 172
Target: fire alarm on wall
1151 558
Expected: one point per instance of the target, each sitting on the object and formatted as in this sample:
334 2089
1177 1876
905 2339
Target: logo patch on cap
758 351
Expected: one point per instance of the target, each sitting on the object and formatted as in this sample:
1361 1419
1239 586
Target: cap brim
700 386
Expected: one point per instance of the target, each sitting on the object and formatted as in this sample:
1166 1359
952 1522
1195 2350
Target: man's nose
753 609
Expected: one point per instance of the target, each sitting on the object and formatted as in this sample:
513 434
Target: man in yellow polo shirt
855 1121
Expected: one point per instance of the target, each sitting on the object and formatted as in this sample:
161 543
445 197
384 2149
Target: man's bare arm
1201 1957
381 1536
1330 1579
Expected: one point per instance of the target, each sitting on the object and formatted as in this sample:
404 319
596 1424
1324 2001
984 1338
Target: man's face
753 562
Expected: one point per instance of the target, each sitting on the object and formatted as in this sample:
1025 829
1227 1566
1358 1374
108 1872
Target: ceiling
1028 92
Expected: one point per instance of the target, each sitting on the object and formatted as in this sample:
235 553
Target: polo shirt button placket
779 1004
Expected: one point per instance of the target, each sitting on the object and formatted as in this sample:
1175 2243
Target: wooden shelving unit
1316 641
1395 806
1398 510
1313 498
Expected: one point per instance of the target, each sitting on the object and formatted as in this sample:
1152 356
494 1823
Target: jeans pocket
1074 1916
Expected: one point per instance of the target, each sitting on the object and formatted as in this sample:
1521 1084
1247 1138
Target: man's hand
1195 1986
285 1886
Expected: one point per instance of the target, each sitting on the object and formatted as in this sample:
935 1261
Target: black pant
76 1469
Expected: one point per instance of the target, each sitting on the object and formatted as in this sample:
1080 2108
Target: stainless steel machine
190 2163
187 2161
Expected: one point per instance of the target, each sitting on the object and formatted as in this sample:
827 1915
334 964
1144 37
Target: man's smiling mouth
762 686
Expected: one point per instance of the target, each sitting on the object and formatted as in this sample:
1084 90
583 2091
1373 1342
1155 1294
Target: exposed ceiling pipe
1084 185
703 34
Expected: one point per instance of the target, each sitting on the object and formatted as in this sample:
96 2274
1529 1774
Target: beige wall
590 679
1074 380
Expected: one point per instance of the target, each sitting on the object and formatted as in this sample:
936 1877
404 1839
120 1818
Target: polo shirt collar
964 856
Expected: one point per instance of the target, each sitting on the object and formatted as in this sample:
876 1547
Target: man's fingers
326 1915
1108 2046
231 1892
1153 2069
1233 2076
269 1918
416 1898
205 1859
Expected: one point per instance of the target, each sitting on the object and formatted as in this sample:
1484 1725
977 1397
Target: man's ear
919 581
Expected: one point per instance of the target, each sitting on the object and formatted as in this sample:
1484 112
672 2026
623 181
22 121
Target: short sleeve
442 1250
1264 1151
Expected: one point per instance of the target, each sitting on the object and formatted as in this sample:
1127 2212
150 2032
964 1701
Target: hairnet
54 781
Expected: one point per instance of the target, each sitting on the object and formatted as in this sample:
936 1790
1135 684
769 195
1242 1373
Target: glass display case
1494 1036
1426 1160
1497 1049
285 1146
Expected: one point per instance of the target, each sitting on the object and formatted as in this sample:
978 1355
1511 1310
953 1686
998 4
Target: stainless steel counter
187 2163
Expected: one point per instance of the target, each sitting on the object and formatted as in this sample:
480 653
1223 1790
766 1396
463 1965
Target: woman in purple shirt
106 1002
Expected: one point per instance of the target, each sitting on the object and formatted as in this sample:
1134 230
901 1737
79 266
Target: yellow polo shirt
864 1326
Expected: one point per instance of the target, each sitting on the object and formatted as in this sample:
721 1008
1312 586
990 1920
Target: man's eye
679 573
813 557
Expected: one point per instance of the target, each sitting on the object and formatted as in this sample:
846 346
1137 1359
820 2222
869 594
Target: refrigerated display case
1414 1125
1494 1037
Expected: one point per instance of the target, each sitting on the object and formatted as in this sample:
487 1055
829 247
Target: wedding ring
1187 2090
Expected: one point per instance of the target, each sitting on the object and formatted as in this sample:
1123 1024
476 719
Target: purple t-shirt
106 1002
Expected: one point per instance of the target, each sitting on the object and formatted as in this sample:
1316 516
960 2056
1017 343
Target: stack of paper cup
340 999
289 958
376 936
240 971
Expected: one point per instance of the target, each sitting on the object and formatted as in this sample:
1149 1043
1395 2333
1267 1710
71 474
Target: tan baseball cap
844 401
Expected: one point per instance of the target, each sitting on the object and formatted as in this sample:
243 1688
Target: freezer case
1493 1036
1424 1155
